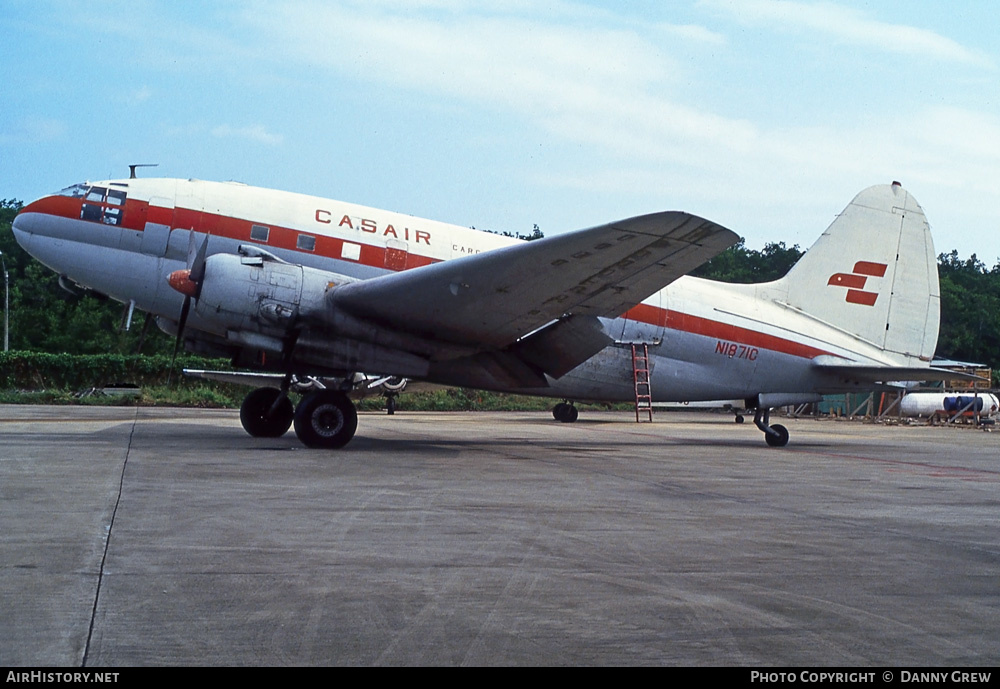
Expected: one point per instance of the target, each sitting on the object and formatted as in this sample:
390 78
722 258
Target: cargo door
396 254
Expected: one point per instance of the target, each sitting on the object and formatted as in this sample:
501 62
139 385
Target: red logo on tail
855 282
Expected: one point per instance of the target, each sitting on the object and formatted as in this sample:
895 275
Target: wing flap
562 346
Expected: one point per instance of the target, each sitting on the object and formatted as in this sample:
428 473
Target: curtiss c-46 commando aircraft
320 290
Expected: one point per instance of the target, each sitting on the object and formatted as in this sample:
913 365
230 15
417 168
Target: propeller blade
192 249
181 322
145 331
188 282
198 266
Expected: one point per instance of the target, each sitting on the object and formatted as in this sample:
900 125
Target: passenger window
351 251
259 233
306 242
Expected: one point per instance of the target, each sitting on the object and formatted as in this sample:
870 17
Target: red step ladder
640 372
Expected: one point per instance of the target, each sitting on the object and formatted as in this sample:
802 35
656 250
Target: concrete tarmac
169 537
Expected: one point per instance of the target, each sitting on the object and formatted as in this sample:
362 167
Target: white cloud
139 95
604 84
256 132
34 130
850 25
693 32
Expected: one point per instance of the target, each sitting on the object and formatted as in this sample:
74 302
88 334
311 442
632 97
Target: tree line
46 318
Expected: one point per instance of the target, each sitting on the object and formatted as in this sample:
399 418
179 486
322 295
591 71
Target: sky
766 116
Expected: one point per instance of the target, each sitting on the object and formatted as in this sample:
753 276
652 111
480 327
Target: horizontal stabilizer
887 374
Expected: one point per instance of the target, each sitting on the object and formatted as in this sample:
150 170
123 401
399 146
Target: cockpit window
102 205
76 191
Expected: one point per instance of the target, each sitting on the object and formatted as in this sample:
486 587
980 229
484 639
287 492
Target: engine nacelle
254 302
254 295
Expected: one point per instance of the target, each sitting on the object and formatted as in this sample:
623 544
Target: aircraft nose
45 218
21 229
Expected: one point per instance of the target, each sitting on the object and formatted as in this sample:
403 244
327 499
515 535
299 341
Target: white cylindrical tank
929 403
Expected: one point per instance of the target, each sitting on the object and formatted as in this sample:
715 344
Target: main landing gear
776 435
326 419
266 413
323 419
565 412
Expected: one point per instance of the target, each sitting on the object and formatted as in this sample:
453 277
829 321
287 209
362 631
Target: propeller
188 282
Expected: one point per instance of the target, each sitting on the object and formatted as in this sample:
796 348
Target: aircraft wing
254 379
492 299
363 385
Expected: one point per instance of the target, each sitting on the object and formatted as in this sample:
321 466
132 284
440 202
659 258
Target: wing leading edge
491 300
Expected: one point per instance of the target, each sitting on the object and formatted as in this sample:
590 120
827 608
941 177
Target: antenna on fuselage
131 168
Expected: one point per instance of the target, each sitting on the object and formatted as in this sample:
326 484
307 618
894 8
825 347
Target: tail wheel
780 439
257 416
326 419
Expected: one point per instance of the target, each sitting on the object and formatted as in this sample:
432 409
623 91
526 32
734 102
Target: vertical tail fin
873 273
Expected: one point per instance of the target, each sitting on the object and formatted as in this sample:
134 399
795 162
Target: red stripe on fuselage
696 325
645 313
136 214
733 333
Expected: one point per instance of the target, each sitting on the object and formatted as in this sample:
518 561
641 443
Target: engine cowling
255 302
253 295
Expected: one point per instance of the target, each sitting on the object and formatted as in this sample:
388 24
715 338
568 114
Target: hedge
43 371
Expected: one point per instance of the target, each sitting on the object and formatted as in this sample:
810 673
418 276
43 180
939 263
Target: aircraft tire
564 412
779 440
255 418
326 419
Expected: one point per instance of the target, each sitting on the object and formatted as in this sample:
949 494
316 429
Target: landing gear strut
776 435
266 413
565 412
